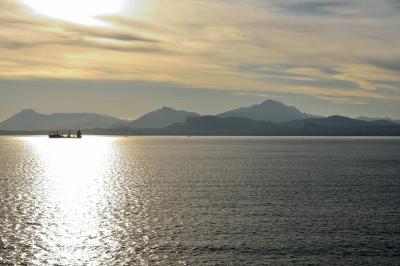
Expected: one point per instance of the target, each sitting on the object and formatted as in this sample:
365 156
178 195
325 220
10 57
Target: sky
129 57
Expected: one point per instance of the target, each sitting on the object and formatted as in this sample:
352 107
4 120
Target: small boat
57 135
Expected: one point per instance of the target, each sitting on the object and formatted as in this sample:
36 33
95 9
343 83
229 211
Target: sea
199 201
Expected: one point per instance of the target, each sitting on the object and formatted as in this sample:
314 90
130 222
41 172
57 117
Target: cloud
351 9
390 64
114 34
333 49
319 8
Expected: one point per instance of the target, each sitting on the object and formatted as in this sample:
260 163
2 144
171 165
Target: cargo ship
57 135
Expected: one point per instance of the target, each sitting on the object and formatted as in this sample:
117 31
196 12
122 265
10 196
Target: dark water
199 201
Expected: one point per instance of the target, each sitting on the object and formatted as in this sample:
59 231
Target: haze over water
199 201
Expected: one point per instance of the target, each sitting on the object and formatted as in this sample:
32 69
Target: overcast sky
128 57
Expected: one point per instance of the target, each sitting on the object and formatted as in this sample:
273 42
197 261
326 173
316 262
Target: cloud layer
339 51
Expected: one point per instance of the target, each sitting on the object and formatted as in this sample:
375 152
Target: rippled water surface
199 201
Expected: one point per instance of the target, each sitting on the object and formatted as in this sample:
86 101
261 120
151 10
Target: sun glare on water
76 176
76 11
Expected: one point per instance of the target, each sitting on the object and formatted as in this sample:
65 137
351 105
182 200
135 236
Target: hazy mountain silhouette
329 126
268 111
28 120
211 125
233 126
335 121
160 118
253 120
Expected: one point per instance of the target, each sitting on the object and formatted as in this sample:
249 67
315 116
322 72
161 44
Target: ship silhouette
57 135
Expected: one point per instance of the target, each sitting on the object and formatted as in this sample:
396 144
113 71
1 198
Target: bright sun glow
77 11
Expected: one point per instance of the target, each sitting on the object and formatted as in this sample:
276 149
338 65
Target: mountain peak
166 108
161 118
268 110
267 102
339 117
28 111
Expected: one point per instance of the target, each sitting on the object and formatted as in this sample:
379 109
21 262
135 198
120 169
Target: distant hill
269 110
211 125
339 126
234 126
328 126
160 118
29 120
336 121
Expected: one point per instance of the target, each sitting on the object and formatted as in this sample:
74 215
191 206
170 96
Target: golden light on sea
75 181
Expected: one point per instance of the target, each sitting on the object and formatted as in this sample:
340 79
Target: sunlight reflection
76 184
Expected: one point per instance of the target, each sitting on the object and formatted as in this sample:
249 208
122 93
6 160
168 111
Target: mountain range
30 120
268 118
160 118
332 126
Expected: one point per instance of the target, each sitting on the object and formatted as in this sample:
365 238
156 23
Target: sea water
199 201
